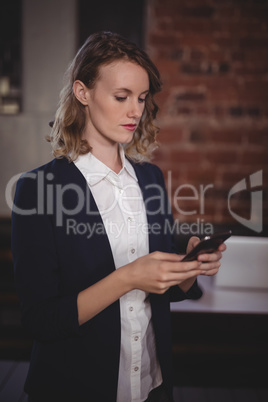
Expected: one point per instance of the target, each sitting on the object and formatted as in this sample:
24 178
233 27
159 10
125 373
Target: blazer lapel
153 196
89 213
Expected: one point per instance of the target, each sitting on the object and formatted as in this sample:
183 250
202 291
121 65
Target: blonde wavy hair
100 49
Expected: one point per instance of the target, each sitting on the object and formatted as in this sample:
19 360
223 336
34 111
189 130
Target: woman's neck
110 156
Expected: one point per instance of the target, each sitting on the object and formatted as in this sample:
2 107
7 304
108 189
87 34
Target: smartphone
207 245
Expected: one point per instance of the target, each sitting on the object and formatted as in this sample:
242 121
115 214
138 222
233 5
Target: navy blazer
55 258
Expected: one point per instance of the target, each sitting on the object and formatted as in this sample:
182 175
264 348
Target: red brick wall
213 60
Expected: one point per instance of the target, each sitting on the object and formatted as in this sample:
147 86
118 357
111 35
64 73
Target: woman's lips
130 127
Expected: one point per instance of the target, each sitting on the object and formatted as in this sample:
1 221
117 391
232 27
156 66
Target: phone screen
207 245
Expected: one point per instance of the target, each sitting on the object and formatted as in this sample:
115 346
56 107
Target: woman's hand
210 262
158 271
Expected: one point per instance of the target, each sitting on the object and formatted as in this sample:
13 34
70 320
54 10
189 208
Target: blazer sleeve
176 294
46 313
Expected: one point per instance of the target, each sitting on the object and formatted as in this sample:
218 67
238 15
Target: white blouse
120 203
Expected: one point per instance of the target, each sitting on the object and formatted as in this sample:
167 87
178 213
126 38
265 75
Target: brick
231 177
167 67
219 112
224 68
252 56
191 26
222 90
163 40
227 13
251 68
176 54
254 112
161 11
257 42
238 55
204 11
254 91
197 40
251 111
183 110
201 111
226 42
257 158
201 176
197 55
196 68
185 157
236 111
205 68
221 156
172 134
259 137
222 84
259 13
218 136
235 27
191 96
162 97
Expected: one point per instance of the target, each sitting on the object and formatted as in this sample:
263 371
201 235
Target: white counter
225 300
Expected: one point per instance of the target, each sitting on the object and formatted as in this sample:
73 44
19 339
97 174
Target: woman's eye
120 98
142 100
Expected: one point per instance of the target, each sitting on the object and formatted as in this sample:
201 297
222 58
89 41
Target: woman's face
116 102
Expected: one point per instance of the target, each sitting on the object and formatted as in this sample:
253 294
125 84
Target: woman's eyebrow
145 92
129 91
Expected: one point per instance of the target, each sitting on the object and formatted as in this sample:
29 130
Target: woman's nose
135 109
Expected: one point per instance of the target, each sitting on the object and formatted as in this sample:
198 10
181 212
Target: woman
95 266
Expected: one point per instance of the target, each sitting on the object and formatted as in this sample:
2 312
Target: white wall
48 46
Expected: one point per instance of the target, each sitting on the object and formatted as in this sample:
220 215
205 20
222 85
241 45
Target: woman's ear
81 92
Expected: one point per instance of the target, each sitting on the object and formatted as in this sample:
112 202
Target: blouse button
133 250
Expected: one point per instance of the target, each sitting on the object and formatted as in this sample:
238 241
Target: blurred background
213 120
